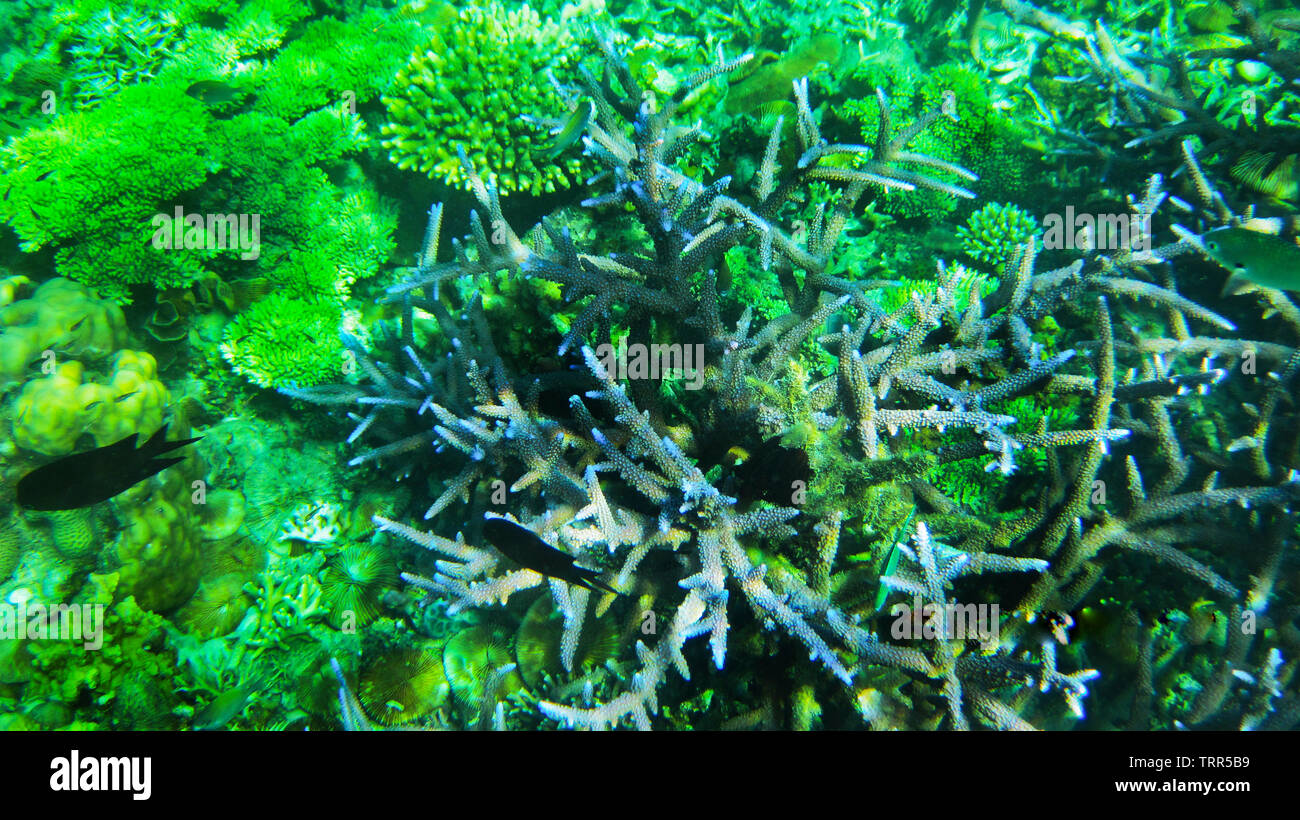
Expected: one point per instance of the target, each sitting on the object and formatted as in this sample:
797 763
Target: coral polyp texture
481 84
729 365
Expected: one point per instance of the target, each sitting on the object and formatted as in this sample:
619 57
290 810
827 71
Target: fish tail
158 444
606 587
590 579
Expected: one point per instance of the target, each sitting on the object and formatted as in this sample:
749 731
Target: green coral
283 341
100 186
158 556
116 48
891 299
992 234
274 167
324 239
128 682
470 88
751 285
984 138
334 62
90 183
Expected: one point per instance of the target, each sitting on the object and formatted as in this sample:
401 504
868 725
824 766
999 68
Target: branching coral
282 340
993 233
476 86
93 178
116 48
1163 88
612 444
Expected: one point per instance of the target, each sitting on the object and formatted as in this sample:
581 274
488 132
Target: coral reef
116 48
612 478
472 88
749 394
687 225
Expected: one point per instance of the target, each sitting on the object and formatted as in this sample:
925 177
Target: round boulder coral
49 413
62 316
52 413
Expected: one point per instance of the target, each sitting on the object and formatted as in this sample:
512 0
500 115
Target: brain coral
470 87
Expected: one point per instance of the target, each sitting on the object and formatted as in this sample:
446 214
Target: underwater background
677 365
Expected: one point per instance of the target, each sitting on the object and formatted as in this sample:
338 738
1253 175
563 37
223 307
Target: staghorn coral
629 474
589 466
1156 90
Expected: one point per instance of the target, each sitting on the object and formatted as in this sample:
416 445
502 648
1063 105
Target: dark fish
214 92
82 479
524 547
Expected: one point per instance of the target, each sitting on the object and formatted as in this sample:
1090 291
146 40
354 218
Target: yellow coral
158 555
217 607
133 400
10 287
74 532
61 316
49 413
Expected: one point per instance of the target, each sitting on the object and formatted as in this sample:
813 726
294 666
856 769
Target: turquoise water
876 365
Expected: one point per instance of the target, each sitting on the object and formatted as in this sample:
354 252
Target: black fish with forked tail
82 479
525 547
